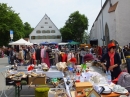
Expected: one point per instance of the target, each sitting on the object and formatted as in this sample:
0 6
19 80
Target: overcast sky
32 11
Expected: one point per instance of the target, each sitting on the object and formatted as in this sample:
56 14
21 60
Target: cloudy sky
32 11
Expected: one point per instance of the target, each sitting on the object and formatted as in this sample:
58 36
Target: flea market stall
21 42
64 80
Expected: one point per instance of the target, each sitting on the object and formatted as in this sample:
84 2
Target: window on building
46 22
42 26
58 37
50 26
53 37
43 31
43 37
45 18
52 31
47 37
48 31
38 37
38 31
32 37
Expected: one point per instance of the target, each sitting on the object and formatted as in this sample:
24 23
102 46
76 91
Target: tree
66 33
74 27
85 37
27 29
9 20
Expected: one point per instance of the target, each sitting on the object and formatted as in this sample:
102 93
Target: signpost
11 34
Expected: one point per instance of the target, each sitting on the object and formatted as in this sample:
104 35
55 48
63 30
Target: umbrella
20 42
73 43
53 43
44 43
62 43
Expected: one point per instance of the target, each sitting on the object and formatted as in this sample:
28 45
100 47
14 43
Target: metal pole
102 23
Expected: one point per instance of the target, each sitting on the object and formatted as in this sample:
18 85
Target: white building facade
45 31
112 22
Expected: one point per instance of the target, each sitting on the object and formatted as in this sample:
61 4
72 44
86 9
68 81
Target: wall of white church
123 22
109 19
118 23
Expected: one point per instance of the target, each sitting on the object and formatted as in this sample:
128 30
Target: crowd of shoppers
51 55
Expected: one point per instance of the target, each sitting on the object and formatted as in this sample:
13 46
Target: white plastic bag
108 75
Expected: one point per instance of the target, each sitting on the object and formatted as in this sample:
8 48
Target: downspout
102 24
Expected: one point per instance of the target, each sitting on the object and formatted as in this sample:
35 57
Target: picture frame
92 93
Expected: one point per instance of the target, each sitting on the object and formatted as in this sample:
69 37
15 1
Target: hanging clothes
60 58
46 58
69 56
42 55
56 57
64 57
78 58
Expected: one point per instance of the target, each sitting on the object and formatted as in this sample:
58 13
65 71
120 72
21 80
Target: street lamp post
102 24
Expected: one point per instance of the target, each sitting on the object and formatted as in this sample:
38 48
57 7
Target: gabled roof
41 20
113 8
51 21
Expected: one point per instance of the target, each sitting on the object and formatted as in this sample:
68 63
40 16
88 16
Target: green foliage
27 29
85 37
74 27
9 20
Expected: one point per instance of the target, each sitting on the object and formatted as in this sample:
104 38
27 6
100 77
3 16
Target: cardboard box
82 85
37 80
80 93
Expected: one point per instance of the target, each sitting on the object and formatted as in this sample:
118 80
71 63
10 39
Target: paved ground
26 92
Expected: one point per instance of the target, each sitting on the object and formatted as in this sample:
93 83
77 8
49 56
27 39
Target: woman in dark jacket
38 55
113 61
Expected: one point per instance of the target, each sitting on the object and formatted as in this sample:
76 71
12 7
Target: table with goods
23 74
64 80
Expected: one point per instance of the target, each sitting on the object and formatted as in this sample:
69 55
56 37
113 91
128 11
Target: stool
41 91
